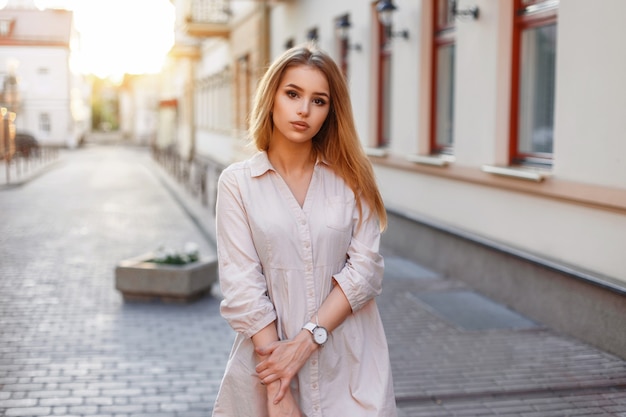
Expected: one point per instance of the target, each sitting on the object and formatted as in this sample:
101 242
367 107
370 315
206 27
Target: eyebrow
295 87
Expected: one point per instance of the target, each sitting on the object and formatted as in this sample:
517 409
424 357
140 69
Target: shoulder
239 169
334 183
255 165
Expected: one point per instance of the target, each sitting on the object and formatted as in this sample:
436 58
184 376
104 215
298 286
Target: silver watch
319 333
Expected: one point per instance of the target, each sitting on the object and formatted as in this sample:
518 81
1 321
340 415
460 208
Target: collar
260 164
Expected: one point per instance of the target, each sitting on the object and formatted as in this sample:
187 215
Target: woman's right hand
286 407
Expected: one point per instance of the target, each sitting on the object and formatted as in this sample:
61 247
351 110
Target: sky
119 36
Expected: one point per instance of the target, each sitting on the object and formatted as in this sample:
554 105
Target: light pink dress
276 262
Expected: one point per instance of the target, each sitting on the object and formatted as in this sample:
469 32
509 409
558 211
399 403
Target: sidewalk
70 346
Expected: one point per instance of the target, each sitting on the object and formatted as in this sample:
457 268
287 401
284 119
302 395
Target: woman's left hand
283 359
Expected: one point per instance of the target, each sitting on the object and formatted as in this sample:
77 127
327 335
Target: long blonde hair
337 141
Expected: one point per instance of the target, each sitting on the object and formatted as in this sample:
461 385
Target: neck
291 159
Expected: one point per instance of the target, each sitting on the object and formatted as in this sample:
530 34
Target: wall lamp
343 26
385 9
471 12
312 35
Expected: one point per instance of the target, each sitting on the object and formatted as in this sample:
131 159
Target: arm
286 405
245 306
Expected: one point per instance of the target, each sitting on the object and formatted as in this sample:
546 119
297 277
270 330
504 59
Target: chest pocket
338 210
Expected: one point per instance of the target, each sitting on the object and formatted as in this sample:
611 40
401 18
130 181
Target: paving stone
28 411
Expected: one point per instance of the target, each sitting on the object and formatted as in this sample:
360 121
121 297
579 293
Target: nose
303 110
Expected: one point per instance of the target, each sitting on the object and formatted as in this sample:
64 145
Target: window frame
383 92
444 35
532 14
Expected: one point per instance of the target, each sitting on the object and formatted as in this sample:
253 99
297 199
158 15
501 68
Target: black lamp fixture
471 12
343 26
385 9
312 35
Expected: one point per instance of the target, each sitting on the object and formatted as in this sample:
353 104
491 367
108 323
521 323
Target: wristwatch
319 333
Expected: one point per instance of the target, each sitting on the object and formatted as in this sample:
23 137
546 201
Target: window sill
432 160
606 198
528 174
378 152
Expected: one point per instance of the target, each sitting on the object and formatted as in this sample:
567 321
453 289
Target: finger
284 385
264 374
269 379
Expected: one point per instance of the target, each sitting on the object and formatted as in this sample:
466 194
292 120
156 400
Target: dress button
302 221
314 363
314 386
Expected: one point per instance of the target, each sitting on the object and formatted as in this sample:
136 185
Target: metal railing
17 167
20 154
197 176
209 11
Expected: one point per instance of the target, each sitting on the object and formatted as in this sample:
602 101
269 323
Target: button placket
312 306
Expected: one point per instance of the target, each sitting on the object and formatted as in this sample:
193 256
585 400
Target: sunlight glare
121 36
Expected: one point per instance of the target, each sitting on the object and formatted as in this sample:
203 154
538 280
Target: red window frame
525 17
444 34
383 93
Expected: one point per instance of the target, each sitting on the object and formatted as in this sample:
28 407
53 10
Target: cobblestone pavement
69 344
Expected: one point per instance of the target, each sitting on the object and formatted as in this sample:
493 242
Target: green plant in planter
169 256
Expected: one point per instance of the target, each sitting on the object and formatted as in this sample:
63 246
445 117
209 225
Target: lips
300 125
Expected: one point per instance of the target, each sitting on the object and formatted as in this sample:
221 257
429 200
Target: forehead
306 78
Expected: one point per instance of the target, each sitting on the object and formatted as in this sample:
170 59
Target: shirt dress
277 261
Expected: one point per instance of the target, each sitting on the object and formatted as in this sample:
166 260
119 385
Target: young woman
298 232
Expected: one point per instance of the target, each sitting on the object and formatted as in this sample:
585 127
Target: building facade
49 99
495 128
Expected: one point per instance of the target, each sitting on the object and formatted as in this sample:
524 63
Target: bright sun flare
120 36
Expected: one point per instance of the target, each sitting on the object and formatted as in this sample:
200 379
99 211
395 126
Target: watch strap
310 326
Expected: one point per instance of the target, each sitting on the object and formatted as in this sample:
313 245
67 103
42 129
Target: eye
292 94
319 101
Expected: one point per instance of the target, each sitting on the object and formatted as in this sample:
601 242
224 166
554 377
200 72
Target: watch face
320 335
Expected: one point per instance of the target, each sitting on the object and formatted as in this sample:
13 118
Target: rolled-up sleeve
362 276
246 305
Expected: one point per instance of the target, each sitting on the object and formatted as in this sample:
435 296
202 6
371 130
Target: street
70 345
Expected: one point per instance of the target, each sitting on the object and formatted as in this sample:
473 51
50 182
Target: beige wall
591 93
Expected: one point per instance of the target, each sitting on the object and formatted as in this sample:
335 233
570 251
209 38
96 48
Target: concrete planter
139 279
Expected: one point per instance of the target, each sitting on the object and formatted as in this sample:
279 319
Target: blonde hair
337 141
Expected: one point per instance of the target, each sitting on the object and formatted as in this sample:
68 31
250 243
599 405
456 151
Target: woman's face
301 104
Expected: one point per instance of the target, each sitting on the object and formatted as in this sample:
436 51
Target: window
44 123
534 62
442 108
6 27
343 42
213 102
384 84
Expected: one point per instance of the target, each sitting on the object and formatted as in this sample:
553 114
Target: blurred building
138 108
50 100
496 129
